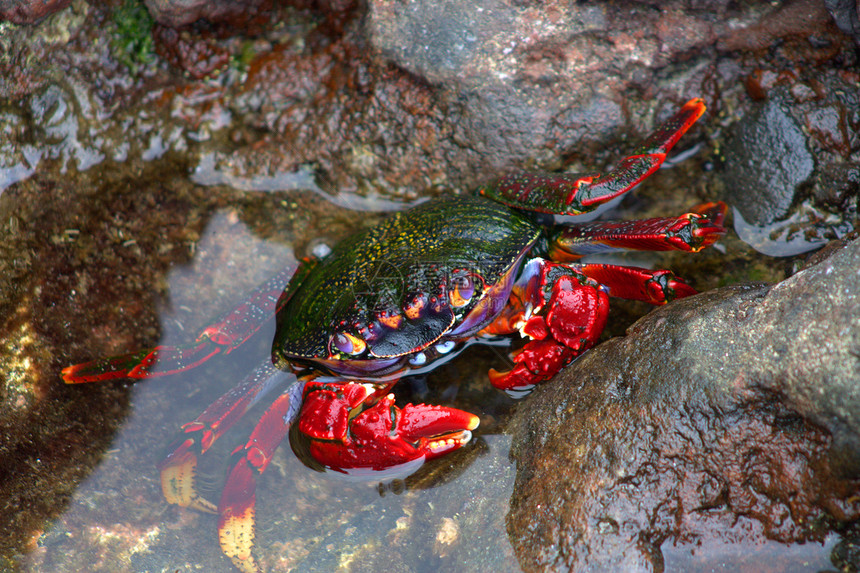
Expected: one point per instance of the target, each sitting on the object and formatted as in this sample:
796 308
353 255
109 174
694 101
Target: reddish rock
197 54
29 11
177 13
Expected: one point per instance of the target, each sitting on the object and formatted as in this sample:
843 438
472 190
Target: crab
403 297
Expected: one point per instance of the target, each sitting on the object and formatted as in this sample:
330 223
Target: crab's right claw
356 428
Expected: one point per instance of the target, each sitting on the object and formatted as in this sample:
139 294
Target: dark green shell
377 272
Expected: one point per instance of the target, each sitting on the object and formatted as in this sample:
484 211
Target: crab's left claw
356 428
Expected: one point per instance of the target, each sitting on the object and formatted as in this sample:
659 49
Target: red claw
354 427
577 314
573 323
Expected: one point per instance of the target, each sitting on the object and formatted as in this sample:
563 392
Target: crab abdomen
400 286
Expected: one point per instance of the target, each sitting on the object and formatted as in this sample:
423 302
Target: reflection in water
803 231
118 520
721 556
209 172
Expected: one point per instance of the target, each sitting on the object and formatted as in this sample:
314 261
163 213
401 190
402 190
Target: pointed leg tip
692 111
679 289
85 372
203 504
688 115
697 104
514 382
68 375
473 423
178 480
236 536
246 565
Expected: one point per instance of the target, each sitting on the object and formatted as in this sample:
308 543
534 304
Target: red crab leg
634 283
351 426
228 332
178 468
690 232
238 498
573 194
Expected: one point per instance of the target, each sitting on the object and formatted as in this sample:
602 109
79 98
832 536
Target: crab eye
347 343
462 291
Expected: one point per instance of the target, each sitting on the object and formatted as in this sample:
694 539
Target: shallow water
133 225
114 518
117 520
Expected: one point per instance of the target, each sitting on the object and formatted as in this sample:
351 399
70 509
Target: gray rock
792 171
845 15
767 159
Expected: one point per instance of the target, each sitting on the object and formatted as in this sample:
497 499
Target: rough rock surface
182 12
29 11
792 163
732 416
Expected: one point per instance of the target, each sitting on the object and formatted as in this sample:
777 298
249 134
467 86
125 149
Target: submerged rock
729 417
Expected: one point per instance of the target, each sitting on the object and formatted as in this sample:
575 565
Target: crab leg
635 283
573 194
690 232
227 333
238 498
178 468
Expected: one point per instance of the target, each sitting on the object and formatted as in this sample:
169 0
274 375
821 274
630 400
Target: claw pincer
402 298
357 428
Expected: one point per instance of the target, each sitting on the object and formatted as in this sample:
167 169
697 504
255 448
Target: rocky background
159 158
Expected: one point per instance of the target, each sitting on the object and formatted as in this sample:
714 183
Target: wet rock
846 554
767 152
95 215
177 13
29 11
532 83
800 19
197 55
729 417
846 15
809 333
792 164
